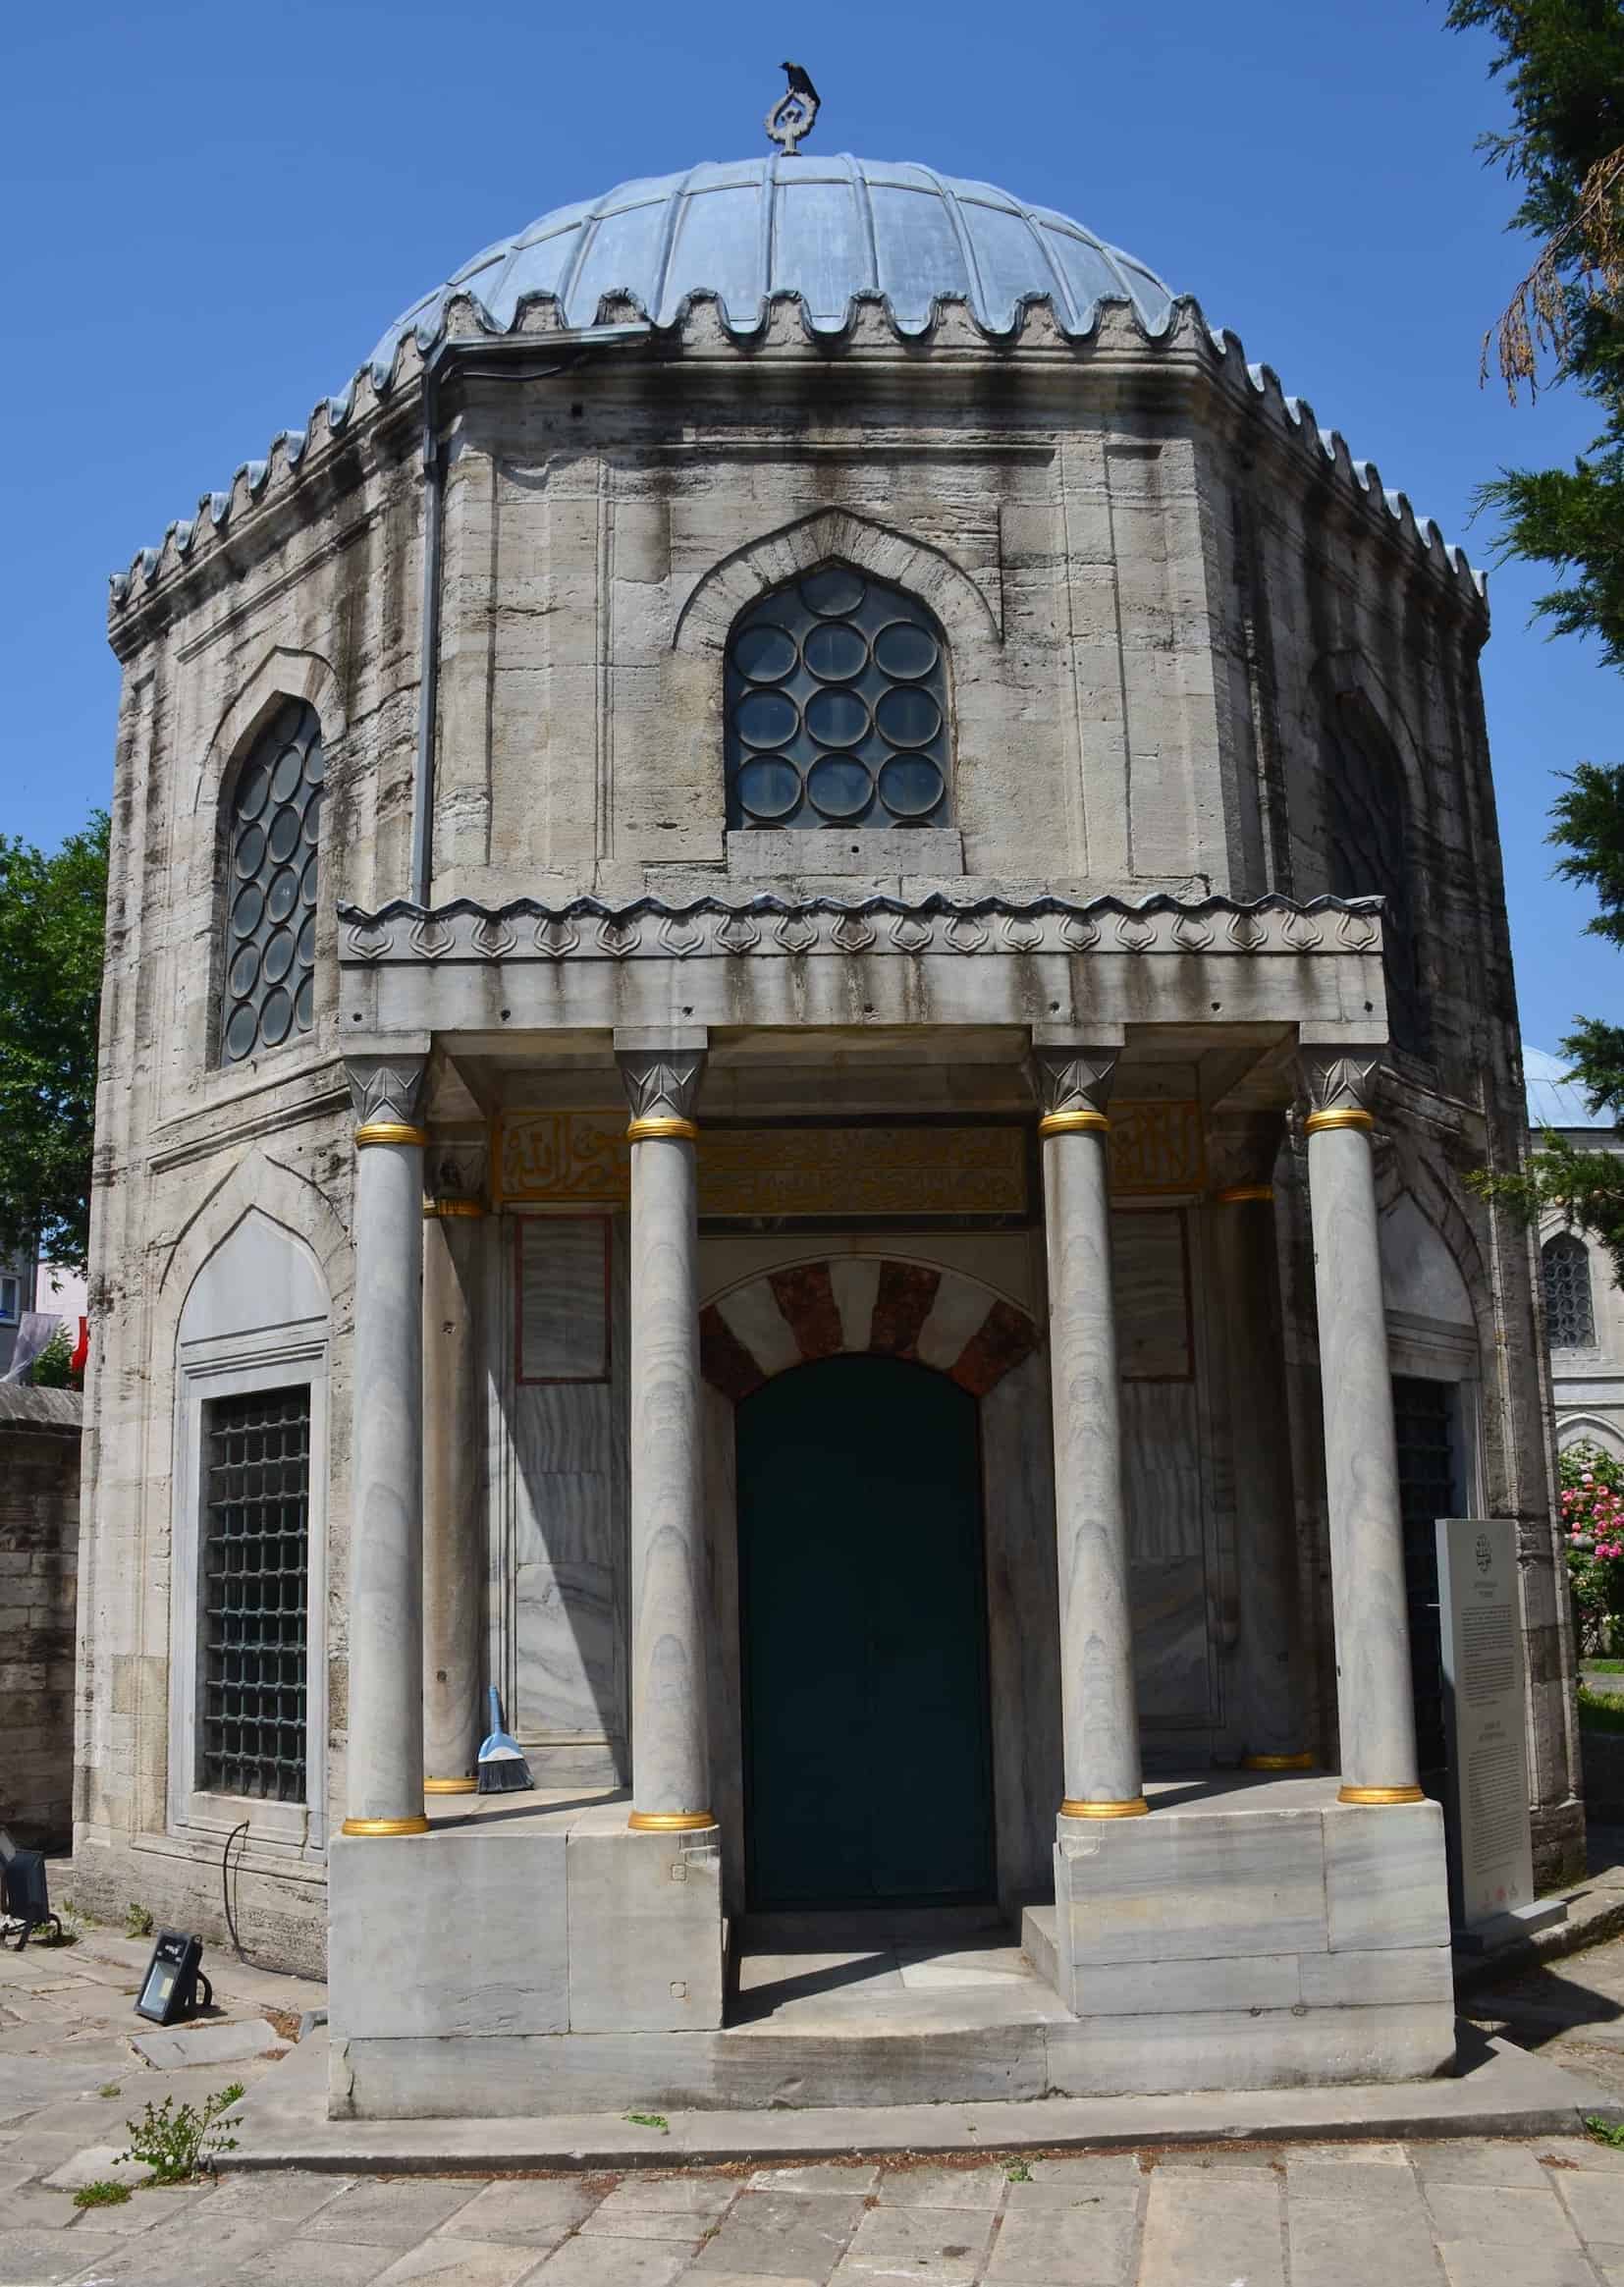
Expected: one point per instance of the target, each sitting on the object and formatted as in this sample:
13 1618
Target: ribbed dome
825 229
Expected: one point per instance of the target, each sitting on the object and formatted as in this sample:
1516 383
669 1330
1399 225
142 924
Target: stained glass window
836 699
272 847
1570 1314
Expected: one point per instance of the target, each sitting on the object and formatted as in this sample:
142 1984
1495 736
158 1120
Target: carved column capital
1241 1150
387 1092
661 1074
1340 1085
1072 1085
455 1170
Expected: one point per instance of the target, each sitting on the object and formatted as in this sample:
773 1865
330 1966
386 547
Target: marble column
453 1477
1242 1149
1099 1712
671 1777
1375 1710
385 1763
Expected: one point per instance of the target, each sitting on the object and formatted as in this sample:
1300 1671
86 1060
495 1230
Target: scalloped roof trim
460 317
651 907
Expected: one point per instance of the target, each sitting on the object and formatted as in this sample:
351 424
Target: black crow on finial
792 116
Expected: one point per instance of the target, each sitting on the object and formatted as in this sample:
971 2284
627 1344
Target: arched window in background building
1368 829
272 841
837 701
1570 1313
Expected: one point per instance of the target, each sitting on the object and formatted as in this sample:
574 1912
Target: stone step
1040 1943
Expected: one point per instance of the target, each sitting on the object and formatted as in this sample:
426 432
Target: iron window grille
256 1514
837 707
269 987
1570 1312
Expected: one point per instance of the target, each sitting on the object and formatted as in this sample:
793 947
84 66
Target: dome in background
825 229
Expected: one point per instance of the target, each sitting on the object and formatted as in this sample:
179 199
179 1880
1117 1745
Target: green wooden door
862 1613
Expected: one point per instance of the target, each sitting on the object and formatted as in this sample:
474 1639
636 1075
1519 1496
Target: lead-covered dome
825 229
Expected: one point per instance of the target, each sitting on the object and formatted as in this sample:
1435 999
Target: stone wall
40 1442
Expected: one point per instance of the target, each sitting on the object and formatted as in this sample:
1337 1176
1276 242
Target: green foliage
137 1920
108 2089
1017 2172
1606 2131
1599 1710
650 2120
101 2195
53 1367
52 911
173 2140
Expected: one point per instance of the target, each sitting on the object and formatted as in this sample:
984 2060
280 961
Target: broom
503 1769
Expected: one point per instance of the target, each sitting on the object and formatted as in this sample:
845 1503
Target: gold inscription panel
582 1158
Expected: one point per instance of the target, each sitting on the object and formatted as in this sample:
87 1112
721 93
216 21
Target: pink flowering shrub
1593 1528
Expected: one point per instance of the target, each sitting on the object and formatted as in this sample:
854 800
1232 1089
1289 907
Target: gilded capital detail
387 1092
662 1086
1341 1087
1072 1086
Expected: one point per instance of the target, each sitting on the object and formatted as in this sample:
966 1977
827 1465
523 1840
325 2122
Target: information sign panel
1483 1694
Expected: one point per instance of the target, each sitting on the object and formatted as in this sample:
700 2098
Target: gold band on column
1073 1124
669 1822
1379 1795
388 1132
1318 1120
1238 1192
649 1130
450 1786
440 1209
1276 1763
417 1825
1138 1808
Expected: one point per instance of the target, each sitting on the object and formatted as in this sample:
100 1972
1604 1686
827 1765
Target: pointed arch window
836 708
272 848
1368 826
1570 1309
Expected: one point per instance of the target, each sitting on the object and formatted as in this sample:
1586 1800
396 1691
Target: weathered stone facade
1196 654
40 1442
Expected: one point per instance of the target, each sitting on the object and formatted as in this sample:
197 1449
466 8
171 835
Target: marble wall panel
1023 1627
1152 1290
566 1648
562 1291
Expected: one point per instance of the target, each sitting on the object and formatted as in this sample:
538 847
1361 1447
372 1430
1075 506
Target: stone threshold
283 2124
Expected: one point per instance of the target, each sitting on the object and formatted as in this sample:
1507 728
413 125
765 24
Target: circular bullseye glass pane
313 820
768 789
840 786
316 764
304 1003
245 911
283 894
286 773
765 654
832 593
837 718
250 852
766 718
279 957
276 1017
244 970
284 834
241 1031
307 943
252 787
910 785
834 652
908 717
905 652
307 881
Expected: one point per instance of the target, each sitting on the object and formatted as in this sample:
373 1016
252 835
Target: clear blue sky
213 211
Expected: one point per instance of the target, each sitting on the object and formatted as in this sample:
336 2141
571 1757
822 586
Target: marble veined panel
568 1428
1161 1463
1171 1663
1153 1313
562 1279
567 1652
565 1516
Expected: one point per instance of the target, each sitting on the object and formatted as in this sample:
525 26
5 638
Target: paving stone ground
1498 2212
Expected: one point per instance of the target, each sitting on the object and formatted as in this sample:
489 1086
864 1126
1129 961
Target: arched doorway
867 1770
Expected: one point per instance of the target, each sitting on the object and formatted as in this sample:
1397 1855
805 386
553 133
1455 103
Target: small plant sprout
108 2089
175 2140
101 2196
137 1920
650 2120
1017 2172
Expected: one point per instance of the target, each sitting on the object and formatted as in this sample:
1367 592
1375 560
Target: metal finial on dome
795 113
